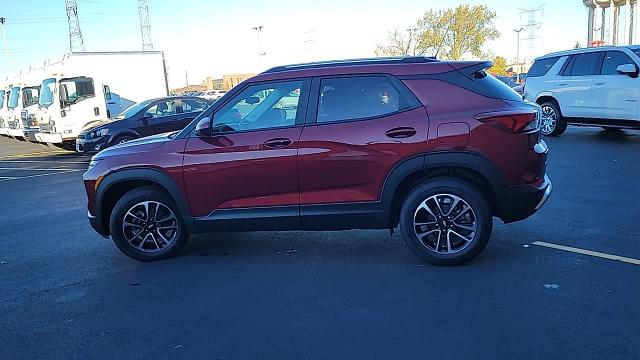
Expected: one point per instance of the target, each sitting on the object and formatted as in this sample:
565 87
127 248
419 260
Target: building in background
612 22
189 89
231 80
213 84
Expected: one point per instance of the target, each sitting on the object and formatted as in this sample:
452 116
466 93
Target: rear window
488 85
541 67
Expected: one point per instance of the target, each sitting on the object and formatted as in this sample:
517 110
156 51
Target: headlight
98 133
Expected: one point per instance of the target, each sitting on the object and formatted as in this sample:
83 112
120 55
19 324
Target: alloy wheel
445 224
549 120
150 226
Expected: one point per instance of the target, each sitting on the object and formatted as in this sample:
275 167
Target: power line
532 26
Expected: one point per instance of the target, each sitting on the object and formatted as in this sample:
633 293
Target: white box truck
85 87
4 94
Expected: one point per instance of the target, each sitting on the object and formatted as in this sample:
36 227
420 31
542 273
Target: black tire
129 201
445 188
122 139
560 126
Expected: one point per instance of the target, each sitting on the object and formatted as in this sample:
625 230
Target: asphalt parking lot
68 293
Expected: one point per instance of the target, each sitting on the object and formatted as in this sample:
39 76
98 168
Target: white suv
596 86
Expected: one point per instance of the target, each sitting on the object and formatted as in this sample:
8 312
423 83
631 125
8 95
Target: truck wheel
553 124
445 221
146 225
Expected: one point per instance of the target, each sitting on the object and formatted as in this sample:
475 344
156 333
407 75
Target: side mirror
64 95
628 69
203 127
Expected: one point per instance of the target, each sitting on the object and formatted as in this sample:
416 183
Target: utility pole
518 55
186 78
4 40
145 27
76 43
258 29
532 26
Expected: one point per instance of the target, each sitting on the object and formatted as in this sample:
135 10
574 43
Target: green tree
499 66
448 34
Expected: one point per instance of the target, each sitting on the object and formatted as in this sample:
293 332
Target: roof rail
350 62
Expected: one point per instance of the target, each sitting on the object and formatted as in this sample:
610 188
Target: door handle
599 83
401 132
277 143
562 84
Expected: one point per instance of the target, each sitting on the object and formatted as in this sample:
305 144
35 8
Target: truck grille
45 128
13 125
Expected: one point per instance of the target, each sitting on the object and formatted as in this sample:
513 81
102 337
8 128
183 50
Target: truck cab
66 105
13 114
4 129
29 112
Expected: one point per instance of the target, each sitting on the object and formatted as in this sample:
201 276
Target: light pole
258 29
4 39
518 54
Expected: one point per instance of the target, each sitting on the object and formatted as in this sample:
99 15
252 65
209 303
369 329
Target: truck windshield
30 96
46 92
2 92
13 97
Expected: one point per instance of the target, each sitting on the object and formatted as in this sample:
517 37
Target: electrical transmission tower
532 26
75 35
145 27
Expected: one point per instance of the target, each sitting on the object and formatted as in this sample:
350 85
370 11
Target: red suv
436 148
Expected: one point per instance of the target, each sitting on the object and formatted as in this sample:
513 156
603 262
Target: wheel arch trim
151 175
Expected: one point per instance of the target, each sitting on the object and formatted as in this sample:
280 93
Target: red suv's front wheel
445 221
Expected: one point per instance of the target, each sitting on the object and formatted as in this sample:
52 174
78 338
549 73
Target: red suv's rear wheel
445 221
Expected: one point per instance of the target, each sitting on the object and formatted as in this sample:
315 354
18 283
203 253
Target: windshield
30 96
2 92
133 109
46 92
13 97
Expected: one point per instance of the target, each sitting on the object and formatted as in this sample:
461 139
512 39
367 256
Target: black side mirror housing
203 127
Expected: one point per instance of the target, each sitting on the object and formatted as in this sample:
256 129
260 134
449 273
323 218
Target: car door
358 129
573 88
615 95
189 110
159 117
248 168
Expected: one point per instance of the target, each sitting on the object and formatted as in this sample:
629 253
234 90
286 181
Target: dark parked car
519 88
435 148
155 116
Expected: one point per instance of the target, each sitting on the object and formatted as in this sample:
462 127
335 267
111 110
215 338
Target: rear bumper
519 202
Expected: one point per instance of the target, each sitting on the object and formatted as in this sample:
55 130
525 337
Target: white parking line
35 169
44 161
39 175
588 252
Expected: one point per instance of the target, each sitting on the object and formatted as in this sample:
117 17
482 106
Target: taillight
511 122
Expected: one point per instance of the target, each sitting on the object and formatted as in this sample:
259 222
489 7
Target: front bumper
49 138
97 225
92 146
519 202
15 132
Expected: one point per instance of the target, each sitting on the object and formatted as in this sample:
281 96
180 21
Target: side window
541 67
586 64
352 98
261 106
161 109
612 60
193 105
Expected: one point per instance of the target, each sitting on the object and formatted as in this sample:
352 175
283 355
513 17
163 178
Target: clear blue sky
215 37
